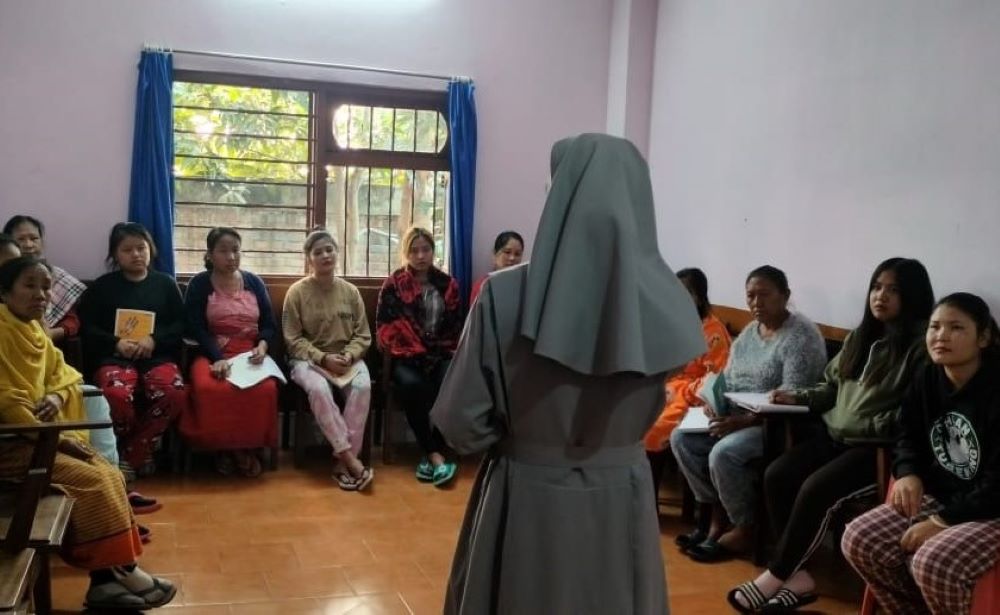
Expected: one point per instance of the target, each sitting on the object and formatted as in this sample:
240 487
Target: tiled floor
292 543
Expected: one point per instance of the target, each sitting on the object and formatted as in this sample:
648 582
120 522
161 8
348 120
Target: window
276 158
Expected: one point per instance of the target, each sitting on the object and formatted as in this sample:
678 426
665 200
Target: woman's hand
219 369
722 426
75 449
126 348
784 398
47 408
145 348
907 494
918 534
259 353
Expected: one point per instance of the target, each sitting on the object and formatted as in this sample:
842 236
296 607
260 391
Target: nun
558 376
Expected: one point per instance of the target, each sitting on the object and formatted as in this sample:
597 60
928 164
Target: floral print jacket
399 319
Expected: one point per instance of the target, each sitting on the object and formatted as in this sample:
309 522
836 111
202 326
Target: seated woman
924 552
60 319
37 385
8 248
682 388
123 365
229 313
778 349
508 249
327 335
418 323
858 399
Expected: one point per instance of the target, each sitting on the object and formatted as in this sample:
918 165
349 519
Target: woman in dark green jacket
858 400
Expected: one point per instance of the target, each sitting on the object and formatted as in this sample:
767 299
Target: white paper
245 374
761 403
695 421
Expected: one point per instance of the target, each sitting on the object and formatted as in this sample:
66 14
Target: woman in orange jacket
682 388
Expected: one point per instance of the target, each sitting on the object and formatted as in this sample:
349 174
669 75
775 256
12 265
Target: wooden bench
33 522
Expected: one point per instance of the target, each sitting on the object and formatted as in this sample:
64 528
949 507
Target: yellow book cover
134 324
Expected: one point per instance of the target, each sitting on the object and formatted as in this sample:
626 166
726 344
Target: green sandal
425 471
444 473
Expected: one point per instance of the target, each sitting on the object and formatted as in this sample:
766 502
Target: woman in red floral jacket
418 323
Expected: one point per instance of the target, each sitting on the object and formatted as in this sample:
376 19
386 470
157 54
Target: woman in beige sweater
327 335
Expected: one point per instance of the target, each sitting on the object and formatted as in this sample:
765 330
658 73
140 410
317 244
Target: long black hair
975 308
916 304
699 284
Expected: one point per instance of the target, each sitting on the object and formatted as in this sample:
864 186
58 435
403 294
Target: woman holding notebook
230 315
133 323
858 399
327 335
778 349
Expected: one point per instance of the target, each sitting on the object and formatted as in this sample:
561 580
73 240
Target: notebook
695 421
713 391
761 404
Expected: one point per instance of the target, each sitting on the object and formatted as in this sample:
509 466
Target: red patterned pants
938 578
139 421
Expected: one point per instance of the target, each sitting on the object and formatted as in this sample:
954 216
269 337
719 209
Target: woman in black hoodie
925 550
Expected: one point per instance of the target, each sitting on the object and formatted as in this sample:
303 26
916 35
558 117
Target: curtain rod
251 58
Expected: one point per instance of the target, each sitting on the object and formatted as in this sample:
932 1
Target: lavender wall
825 136
67 74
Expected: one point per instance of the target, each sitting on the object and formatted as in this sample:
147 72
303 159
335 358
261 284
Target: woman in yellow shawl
37 385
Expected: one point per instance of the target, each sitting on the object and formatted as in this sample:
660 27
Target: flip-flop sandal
345 481
250 466
686 541
751 593
225 465
444 474
425 471
709 551
145 534
787 601
167 589
113 596
362 482
141 505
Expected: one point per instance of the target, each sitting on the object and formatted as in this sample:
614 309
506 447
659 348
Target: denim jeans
719 470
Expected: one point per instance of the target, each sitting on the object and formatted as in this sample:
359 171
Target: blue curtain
462 124
151 193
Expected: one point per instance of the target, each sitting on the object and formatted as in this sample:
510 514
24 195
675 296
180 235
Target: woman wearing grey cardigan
558 376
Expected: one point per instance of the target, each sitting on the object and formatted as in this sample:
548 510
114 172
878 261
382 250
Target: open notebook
761 404
695 421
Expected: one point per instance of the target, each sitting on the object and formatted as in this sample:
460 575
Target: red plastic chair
985 596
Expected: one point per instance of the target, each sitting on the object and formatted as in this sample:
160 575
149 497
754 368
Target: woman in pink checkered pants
924 552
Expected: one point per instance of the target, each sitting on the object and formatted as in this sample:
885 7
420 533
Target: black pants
804 488
416 391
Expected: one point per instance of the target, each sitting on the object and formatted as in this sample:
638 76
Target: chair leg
299 455
42 591
272 458
387 433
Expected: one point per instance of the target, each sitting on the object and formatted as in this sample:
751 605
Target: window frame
325 97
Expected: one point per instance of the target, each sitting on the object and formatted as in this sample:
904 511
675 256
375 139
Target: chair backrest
37 476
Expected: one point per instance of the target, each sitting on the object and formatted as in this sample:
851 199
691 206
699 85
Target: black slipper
686 541
709 551
751 593
787 601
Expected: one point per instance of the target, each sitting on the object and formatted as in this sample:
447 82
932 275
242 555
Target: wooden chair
985 596
33 523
